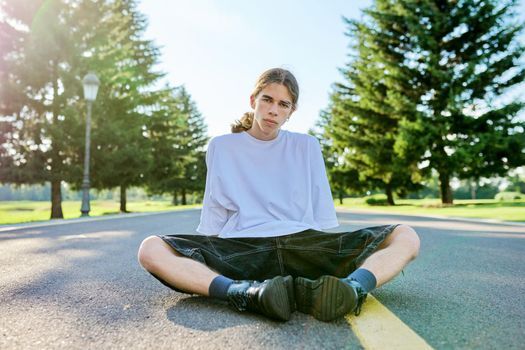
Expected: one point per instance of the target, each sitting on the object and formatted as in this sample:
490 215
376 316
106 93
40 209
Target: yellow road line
377 328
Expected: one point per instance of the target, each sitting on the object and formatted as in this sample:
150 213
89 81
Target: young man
266 202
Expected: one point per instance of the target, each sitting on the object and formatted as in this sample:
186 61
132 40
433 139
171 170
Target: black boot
269 297
361 294
288 282
327 297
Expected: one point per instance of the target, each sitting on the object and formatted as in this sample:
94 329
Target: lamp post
91 84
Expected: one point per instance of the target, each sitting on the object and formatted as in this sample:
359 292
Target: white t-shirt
258 188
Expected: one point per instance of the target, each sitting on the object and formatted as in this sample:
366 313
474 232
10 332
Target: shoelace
361 295
360 300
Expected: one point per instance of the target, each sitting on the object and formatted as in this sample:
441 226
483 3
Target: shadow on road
82 283
206 314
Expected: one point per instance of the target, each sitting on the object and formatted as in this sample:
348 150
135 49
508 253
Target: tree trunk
184 197
123 199
473 189
56 200
389 195
174 201
445 189
56 191
341 197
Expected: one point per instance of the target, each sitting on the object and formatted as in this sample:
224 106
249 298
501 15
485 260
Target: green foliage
376 199
516 183
126 65
343 181
466 58
423 91
177 135
509 196
364 117
40 69
473 189
46 49
24 192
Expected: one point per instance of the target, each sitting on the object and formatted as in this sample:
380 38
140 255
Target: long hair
274 75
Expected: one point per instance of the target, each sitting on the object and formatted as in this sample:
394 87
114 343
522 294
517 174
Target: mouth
270 121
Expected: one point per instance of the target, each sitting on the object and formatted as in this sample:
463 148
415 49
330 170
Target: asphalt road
78 286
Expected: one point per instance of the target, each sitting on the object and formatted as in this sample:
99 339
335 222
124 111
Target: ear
252 101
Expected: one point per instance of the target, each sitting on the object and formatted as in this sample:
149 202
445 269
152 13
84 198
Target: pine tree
38 86
462 56
178 136
365 119
425 90
194 137
52 45
125 64
343 180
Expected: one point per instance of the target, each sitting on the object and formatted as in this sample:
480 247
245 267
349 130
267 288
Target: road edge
57 222
442 217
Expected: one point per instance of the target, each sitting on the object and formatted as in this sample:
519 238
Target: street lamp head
91 84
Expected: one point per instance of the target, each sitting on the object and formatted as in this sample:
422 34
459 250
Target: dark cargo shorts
308 253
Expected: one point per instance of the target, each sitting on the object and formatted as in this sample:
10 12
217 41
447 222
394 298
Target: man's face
272 106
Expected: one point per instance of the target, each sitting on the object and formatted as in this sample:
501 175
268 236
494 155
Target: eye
284 105
266 99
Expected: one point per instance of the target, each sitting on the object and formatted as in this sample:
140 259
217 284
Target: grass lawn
13 212
482 209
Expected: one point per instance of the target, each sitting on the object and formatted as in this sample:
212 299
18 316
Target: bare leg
269 298
399 248
157 257
329 297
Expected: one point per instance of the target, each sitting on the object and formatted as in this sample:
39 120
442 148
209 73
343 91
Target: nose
273 109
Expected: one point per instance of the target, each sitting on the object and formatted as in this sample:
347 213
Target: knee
410 239
149 251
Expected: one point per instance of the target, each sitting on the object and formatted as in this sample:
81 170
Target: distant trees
39 85
126 62
516 183
177 135
423 91
343 179
46 49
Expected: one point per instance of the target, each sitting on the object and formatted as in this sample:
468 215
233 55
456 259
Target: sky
218 48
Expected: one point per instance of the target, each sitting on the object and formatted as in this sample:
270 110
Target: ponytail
244 124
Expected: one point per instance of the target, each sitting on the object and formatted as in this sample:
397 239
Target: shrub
376 199
509 196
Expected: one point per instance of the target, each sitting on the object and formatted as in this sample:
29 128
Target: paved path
78 286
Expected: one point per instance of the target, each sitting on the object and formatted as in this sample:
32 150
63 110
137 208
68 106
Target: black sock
365 278
219 287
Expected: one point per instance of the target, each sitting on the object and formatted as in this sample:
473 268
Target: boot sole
325 298
274 299
288 282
